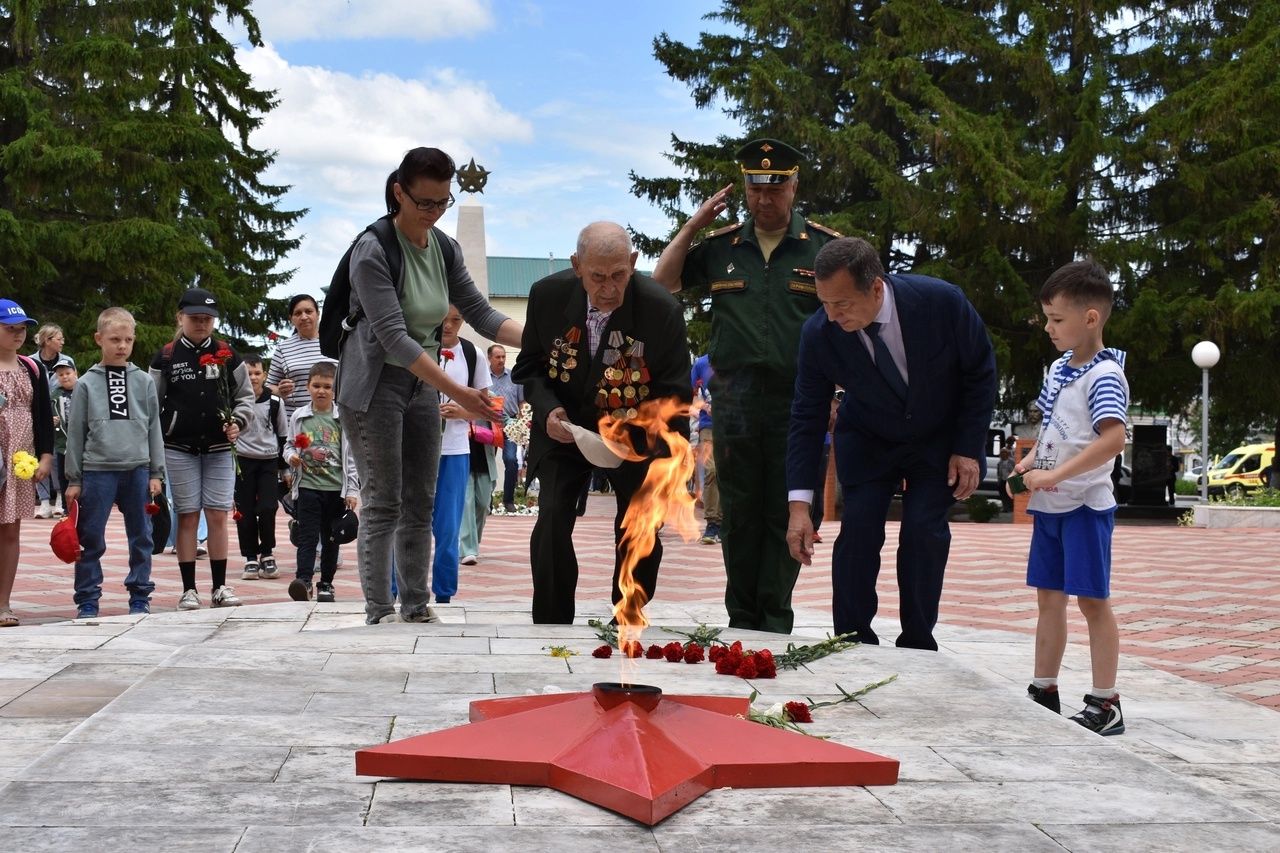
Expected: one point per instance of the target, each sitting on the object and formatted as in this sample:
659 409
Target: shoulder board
728 229
824 229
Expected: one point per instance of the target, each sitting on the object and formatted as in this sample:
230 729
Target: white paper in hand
599 451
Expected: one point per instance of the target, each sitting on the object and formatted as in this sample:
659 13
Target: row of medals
625 379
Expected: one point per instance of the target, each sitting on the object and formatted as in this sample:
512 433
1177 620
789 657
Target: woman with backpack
387 360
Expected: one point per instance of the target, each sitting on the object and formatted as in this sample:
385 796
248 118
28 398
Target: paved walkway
1201 604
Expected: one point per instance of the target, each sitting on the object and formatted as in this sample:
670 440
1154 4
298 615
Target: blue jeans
396 444
511 471
99 491
446 521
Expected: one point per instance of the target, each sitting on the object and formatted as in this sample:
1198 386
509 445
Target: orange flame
662 498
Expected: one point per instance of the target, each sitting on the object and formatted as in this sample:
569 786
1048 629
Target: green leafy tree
1202 213
126 173
989 143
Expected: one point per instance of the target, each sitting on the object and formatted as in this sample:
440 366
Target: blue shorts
1071 552
200 481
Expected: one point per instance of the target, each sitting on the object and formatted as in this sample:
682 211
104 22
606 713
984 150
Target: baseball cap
197 300
345 528
64 540
63 361
11 314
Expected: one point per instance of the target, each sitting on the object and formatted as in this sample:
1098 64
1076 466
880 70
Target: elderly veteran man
759 274
599 339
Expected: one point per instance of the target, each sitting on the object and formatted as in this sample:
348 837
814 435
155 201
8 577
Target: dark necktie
884 361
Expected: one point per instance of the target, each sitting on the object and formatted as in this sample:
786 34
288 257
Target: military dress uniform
757 309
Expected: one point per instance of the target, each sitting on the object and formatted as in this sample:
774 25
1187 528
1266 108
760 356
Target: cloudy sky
558 99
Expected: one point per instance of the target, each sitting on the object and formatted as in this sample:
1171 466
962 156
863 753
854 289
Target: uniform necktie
884 361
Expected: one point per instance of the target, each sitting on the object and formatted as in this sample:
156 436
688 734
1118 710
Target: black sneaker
1046 696
324 591
1101 715
300 590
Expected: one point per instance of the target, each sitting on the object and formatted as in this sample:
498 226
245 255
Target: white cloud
339 135
325 20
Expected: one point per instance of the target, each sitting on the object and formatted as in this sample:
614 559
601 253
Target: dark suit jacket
557 303
952 388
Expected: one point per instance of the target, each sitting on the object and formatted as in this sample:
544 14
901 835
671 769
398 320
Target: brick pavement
1201 604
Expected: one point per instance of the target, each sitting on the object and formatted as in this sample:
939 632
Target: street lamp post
1205 354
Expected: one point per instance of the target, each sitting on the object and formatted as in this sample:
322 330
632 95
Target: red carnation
714 653
673 652
223 355
633 649
747 669
446 354
207 359
797 712
693 654
236 515
725 665
603 652
152 508
302 441
272 336
736 647
654 652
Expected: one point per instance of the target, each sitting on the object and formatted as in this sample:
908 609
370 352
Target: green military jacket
757 308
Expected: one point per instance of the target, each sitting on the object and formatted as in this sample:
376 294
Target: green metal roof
514 276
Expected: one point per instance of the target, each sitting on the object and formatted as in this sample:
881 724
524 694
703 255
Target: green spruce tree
126 172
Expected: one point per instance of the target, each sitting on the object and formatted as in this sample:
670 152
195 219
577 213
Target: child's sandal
7 619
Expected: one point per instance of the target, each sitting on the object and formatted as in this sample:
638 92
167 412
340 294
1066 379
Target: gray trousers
396 444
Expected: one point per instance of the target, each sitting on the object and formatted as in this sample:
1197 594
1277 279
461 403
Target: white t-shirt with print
1075 402
454 439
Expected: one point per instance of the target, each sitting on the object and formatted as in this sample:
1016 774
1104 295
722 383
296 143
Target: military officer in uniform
759 274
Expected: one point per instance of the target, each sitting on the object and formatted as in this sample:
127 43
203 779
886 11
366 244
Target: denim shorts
1071 552
200 481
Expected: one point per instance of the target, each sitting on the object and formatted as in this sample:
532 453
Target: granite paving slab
288 695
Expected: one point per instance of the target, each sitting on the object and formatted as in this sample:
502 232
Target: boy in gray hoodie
115 455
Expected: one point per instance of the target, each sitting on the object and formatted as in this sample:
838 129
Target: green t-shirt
322 460
425 300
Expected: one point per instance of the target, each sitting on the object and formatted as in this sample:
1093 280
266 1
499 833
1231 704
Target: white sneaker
389 618
190 600
201 550
225 596
45 510
470 559
251 571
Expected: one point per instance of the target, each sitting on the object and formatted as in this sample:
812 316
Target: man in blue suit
920 383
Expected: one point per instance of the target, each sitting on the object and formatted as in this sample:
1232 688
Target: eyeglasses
428 205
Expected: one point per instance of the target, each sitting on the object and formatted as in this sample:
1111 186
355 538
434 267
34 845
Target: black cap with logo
197 300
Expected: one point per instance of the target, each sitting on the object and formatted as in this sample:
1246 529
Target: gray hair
603 238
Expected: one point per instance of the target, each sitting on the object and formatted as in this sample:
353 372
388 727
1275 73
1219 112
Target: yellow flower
24 465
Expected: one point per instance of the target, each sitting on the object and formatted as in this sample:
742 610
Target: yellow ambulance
1240 470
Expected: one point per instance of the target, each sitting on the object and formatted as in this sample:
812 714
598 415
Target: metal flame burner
610 694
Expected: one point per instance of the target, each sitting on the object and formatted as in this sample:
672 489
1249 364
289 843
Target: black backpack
337 320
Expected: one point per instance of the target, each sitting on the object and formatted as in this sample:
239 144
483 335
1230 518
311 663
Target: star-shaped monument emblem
472 178
624 747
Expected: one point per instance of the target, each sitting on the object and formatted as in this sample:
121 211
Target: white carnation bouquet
517 429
